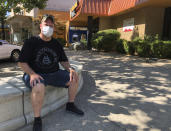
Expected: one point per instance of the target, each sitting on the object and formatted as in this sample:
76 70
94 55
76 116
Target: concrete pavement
119 93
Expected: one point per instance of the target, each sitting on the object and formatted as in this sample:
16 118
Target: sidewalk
119 93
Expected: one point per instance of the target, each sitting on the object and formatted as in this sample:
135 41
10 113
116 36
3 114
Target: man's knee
39 88
74 82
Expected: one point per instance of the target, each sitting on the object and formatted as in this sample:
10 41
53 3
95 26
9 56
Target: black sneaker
37 126
70 107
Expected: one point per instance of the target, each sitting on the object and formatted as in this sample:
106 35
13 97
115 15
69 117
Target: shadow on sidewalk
91 121
8 69
128 92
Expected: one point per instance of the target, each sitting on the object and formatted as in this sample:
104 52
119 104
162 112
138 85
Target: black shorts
58 79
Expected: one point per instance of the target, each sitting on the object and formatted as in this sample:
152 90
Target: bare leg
72 91
37 97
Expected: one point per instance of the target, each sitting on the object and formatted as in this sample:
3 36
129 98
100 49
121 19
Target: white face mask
47 31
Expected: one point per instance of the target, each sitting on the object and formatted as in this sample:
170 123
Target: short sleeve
26 52
63 56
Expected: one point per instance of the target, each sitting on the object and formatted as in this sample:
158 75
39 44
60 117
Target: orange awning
104 7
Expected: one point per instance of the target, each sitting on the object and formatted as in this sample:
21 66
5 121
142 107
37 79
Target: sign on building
128 25
74 10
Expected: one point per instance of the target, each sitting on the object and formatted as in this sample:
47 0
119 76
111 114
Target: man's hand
73 75
34 78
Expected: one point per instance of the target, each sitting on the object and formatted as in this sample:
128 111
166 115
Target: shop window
75 38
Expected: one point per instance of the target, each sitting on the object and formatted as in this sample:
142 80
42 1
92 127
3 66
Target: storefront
21 28
77 33
26 25
135 18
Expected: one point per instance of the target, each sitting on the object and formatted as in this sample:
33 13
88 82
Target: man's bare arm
73 74
66 65
25 67
33 76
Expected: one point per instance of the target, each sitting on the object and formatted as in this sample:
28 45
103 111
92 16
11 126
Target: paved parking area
119 93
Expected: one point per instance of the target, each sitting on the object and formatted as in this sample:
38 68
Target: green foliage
150 46
105 40
166 50
142 47
131 48
161 49
18 6
28 5
124 46
61 41
121 46
84 42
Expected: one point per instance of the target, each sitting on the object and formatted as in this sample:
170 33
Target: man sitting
39 59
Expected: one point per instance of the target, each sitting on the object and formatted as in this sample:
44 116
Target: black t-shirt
42 56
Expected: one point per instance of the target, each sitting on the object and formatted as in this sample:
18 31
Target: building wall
33 13
139 23
147 21
105 23
154 20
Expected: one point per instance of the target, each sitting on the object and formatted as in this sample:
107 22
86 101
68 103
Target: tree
17 6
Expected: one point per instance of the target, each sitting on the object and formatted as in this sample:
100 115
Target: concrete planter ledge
15 105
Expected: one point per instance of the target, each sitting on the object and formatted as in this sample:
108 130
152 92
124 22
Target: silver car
8 50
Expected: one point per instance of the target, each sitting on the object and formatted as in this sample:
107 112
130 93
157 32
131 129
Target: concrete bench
15 105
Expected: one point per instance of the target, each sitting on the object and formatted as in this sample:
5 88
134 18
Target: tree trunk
3 29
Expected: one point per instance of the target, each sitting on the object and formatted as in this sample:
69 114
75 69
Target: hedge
105 40
84 42
148 47
161 49
125 46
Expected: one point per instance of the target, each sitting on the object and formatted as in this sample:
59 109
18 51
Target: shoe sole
74 113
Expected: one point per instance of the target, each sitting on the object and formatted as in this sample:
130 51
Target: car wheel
15 55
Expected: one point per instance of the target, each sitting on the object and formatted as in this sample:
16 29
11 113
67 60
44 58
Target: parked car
8 50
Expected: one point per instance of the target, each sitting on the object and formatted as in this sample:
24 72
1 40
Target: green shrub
152 46
120 46
162 49
157 49
84 42
61 41
166 49
131 48
142 47
105 40
151 38
124 46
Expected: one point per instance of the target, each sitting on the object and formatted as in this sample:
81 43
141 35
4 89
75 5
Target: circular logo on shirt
46 58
